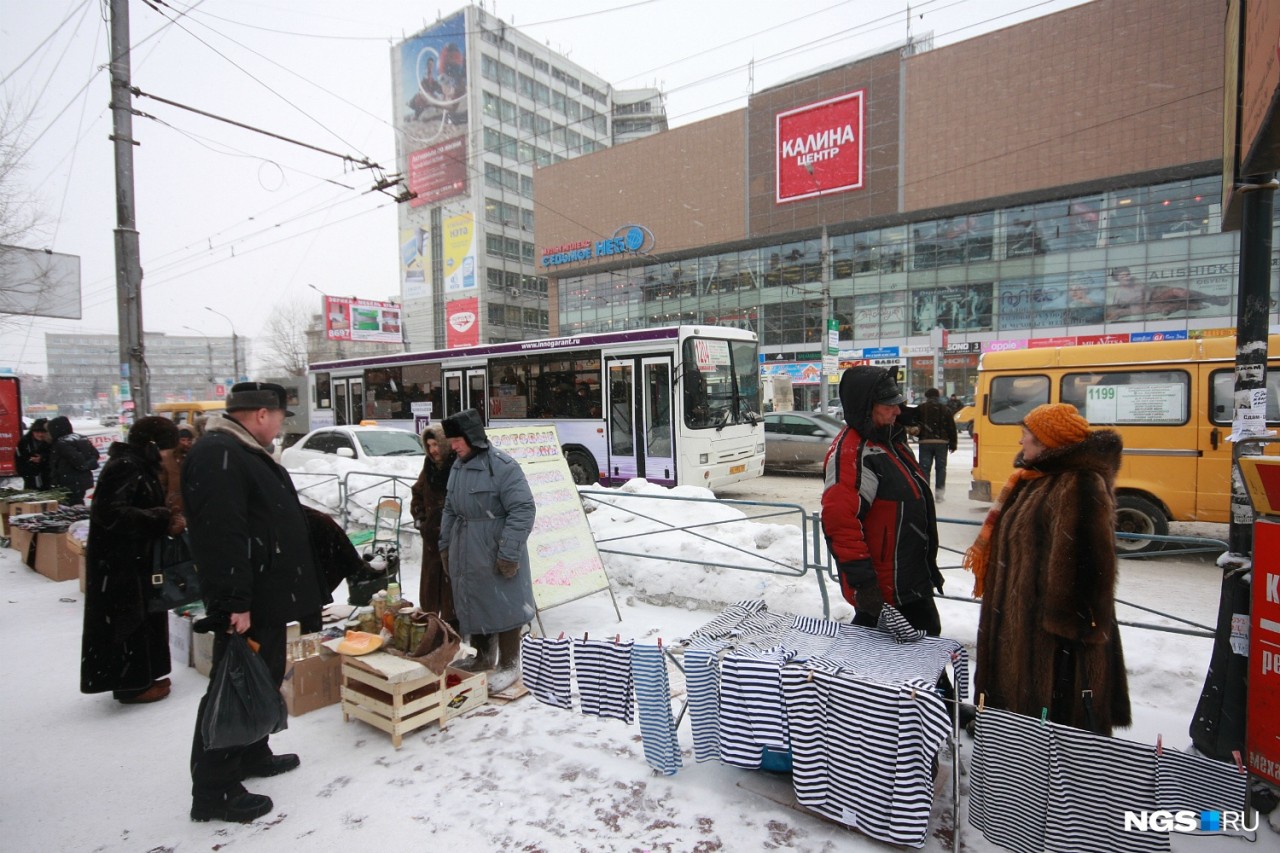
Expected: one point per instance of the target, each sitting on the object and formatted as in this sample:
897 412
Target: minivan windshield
721 384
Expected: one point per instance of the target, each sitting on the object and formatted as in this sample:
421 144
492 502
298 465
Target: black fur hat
469 425
153 429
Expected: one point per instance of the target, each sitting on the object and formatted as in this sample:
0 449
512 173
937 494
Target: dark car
798 440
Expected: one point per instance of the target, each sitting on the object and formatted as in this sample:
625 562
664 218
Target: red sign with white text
819 148
438 171
1262 740
462 323
10 424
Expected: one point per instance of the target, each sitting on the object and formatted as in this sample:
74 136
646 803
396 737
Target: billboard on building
819 148
459 250
348 319
957 308
39 283
415 262
431 113
462 322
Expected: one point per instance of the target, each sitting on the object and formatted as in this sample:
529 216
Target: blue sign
880 352
1147 337
627 240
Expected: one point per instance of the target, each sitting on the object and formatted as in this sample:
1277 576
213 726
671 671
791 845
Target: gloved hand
869 600
508 568
444 559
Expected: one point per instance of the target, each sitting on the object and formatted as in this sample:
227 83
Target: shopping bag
243 705
174 579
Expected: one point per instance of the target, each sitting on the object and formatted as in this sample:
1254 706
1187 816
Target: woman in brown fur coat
435 594
1045 563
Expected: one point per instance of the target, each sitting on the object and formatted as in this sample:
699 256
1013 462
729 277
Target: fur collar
232 427
1099 452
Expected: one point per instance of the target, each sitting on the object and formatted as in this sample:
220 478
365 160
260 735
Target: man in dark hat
249 537
32 455
877 511
484 530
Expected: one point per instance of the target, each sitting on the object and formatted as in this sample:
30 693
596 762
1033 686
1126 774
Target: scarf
975 559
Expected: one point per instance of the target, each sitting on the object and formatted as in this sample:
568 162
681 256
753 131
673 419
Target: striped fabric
545 670
604 678
1093 781
751 709
877 655
862 750
1009 780
1186 781
702 686
653 700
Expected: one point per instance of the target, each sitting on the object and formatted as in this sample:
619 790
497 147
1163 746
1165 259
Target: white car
367 446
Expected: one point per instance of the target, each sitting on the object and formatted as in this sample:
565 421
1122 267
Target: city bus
676 406
1172 403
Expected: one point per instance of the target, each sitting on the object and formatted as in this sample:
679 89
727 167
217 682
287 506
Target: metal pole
830 348
133 363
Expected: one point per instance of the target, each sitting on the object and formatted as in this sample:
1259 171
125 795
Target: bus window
1013 397
551 385
1152 397
1222 406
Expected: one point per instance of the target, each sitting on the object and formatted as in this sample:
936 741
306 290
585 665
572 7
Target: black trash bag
243 705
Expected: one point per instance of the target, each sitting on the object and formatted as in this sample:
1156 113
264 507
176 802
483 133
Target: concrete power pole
133 363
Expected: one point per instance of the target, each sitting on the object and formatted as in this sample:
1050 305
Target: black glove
444 559
869 601
508 568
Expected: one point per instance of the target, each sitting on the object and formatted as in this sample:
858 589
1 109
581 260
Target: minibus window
1222 409
1012 397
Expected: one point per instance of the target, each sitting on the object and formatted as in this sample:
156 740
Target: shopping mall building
1056 182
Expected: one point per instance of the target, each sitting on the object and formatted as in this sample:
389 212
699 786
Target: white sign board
1157 403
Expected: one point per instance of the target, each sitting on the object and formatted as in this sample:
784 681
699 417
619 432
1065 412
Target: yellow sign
562 552
459 254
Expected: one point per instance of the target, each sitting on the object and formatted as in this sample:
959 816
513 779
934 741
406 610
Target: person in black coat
33 456
125 645
72 461
250 540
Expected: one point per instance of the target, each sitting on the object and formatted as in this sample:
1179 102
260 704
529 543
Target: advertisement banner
1065 299
958 308
879 315
462 325
438 172
10 424
348 319
562 551
415 262
1160 291
459 253
819 148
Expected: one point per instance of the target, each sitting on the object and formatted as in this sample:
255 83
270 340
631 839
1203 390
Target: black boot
508 672
237 806
486 654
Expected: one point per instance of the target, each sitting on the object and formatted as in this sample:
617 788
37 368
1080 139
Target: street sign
220 390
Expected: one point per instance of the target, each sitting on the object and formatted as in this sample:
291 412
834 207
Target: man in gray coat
488 515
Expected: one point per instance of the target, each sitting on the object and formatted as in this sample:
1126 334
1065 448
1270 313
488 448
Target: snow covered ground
88 774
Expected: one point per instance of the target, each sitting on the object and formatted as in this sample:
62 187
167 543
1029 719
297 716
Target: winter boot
486 654
508 672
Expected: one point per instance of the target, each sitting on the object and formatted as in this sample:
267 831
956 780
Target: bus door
348 397
656 426
465 389
477 394
623 463
452 393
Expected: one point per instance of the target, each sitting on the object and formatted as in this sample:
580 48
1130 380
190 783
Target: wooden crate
399 696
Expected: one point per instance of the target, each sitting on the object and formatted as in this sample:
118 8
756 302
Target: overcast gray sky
243 224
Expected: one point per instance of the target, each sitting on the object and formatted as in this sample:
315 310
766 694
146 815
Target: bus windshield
720 383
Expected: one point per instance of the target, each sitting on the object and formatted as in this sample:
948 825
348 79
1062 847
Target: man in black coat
72 461
250 540
33 456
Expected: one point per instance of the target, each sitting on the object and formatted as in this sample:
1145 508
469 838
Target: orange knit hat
1057 424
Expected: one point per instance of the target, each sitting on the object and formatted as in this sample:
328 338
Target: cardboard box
202 652
180 638
52 559
21 541
312 683
32 507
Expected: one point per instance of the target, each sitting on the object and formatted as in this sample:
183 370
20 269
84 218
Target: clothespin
561 635
982 702
617 638
810 678
913 693
1235 753
1044 716
1159 744
584 636
659 644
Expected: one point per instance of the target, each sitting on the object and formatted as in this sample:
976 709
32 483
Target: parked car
964 419
368 446
109 420
798 440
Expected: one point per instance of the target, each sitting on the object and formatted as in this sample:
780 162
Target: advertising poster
438 171
10 424
348 319
337 318
819 148
459 253
431 86
562 551
415 262
1160 291
957 308
1064 299
879 315
462 325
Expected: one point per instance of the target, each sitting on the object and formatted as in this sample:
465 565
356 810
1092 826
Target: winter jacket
877 506
35 475
488 515
937 425
249 535
1048 623
72 459
124 646
435 592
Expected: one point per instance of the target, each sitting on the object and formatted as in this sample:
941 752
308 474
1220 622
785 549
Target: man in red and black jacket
877 511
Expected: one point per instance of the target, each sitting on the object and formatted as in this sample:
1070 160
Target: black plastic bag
174 579
243 705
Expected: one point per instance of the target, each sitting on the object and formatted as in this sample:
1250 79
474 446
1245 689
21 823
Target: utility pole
133 362
235 344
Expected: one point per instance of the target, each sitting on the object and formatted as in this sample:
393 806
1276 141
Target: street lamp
208 348
235 343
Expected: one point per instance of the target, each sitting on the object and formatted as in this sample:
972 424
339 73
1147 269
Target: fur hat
153 429
469 425
1057 425
257 395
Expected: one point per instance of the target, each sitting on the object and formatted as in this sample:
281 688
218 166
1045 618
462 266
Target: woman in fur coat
1045 563
435 594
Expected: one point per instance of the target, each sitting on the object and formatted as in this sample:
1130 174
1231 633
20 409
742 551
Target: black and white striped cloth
862 750
545 669
603 669
1188 781
702 687
1009 781
752 716
653 700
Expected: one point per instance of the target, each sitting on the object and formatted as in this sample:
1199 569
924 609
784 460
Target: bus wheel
583 468
1139 515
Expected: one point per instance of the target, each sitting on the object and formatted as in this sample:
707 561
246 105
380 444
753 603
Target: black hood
469 425
861 388
59 426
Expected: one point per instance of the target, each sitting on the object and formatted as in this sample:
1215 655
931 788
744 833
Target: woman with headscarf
125 645
435 594
1045 564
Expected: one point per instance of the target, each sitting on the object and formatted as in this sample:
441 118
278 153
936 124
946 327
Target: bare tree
286 337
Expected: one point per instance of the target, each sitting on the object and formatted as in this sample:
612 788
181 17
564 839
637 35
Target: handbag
174 579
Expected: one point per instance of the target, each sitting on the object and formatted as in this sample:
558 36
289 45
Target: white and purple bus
676 406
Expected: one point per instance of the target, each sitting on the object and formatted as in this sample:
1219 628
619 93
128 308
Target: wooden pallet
400 696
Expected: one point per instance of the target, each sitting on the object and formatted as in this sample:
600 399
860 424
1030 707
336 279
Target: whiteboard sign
710 355
1157 403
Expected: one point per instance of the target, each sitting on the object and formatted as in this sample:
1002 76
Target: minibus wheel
1136 514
